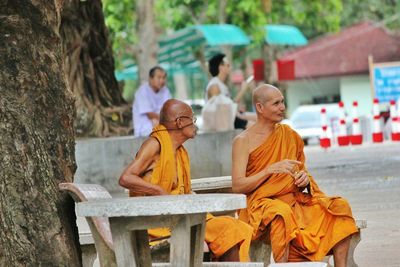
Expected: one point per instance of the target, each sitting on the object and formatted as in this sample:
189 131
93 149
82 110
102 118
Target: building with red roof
335 67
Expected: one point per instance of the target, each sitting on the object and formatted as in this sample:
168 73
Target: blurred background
316 52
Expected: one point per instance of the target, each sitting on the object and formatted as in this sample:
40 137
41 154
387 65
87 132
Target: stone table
184 214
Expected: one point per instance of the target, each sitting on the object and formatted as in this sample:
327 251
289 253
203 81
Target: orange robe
309 223
222 232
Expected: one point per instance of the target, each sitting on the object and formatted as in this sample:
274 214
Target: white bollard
356 137
324 140
377 133
395 120
343 137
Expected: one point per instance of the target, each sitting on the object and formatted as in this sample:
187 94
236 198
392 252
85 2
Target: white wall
356 88
301 92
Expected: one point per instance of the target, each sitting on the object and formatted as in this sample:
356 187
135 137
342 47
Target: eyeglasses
194 119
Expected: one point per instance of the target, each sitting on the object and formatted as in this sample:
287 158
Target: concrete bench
88 249
99 226
260 251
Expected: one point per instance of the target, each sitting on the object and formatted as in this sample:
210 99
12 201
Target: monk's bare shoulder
149 149
241 141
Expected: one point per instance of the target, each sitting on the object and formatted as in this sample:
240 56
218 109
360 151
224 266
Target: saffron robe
172 173
310 223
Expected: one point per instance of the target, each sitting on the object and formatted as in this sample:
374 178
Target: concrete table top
161 205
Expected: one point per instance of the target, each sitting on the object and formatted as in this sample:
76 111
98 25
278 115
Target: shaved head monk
284 203
161 167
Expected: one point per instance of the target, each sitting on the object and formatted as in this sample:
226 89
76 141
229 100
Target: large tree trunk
36 139
146 31
89 65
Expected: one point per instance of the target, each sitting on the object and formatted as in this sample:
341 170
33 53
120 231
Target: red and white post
377 133
356 137
343 138
395 120
324 140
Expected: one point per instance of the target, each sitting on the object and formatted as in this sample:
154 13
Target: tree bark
36 139
221 11
146 31
269 56
89 66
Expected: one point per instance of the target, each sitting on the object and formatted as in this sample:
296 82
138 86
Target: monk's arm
240 157
131 176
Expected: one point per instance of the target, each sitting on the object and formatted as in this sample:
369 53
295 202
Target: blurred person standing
220 68
149 99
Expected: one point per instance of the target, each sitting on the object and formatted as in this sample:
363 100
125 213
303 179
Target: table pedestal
131 239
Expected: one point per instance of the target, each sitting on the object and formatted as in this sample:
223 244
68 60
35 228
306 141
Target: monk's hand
301 178
283 166
161 191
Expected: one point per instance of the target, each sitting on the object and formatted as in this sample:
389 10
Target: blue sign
387 82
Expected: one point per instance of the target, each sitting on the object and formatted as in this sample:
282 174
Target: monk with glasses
161 167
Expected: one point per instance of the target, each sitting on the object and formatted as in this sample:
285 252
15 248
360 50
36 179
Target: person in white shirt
220 68
149 99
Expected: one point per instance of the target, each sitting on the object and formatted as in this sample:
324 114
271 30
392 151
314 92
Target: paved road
369 177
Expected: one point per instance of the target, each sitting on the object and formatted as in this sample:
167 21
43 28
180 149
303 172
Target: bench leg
260 252
355 239
89 255
327 260
196 244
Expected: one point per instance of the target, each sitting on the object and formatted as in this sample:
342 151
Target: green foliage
129 91
248 15
312 17
178 14
120 19
384 11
